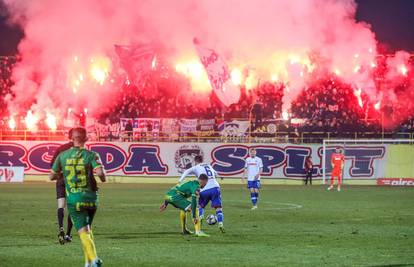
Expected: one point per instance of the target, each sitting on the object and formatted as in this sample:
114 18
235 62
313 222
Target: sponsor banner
233 128
170 159
11 174
395 181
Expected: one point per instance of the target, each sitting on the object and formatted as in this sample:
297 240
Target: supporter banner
142 124
206 127
188 125
233 128
218 74
11 174
268 128
170 159
110 131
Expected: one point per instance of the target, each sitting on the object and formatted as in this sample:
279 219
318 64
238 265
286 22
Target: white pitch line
288 206
285 205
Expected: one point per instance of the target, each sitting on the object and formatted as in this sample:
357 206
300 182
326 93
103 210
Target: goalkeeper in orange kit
337 161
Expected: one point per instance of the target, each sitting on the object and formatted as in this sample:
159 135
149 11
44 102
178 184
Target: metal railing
200 136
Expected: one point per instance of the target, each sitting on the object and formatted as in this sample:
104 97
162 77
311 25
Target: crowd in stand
327 105
6 64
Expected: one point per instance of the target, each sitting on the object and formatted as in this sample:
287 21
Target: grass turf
294 226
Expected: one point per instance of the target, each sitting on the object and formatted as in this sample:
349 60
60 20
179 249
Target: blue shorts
254 184
213 194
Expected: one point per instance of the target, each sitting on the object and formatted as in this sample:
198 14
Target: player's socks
183 218
253 198
88 246
60 215
69 226
257 197
220 216
91 233
87 264
197 227
201 213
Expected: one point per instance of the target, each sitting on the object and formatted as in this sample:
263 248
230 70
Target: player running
61 197
253 168
337 161
211 192
178 197
78 166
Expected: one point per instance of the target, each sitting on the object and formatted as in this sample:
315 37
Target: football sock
253 198
183 217
88 246
257 196
60 215
200 212
91 233
84 253
197 226
69 226
220 216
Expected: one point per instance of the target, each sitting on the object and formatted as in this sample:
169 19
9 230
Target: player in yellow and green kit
78 166
178 197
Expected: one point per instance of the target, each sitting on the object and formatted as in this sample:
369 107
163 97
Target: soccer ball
211 219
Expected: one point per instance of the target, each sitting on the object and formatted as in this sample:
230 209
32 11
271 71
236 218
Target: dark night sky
391 20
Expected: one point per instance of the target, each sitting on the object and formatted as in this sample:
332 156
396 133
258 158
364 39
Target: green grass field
294 226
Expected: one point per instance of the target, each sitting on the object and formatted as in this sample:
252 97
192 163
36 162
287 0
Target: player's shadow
126 236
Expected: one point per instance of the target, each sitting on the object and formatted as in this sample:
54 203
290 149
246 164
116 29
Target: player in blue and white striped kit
211 192
253 168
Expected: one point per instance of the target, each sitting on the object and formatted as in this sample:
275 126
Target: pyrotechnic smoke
277 39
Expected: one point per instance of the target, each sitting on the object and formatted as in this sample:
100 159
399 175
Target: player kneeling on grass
178 197
211 192
77 166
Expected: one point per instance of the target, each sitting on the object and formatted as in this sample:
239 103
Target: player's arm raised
185 174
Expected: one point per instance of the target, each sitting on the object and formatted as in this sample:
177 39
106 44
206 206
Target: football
211 219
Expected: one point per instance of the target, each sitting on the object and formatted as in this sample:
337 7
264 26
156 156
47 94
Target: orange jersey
337 160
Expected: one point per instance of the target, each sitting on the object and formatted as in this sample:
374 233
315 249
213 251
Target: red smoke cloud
291 40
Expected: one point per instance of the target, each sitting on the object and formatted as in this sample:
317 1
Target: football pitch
294 226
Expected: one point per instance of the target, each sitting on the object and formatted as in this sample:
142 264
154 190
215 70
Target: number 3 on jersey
79 172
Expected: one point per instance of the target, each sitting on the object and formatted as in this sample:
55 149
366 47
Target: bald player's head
79 136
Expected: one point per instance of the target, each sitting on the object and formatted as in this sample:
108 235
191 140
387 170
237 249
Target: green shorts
82 213
178 201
